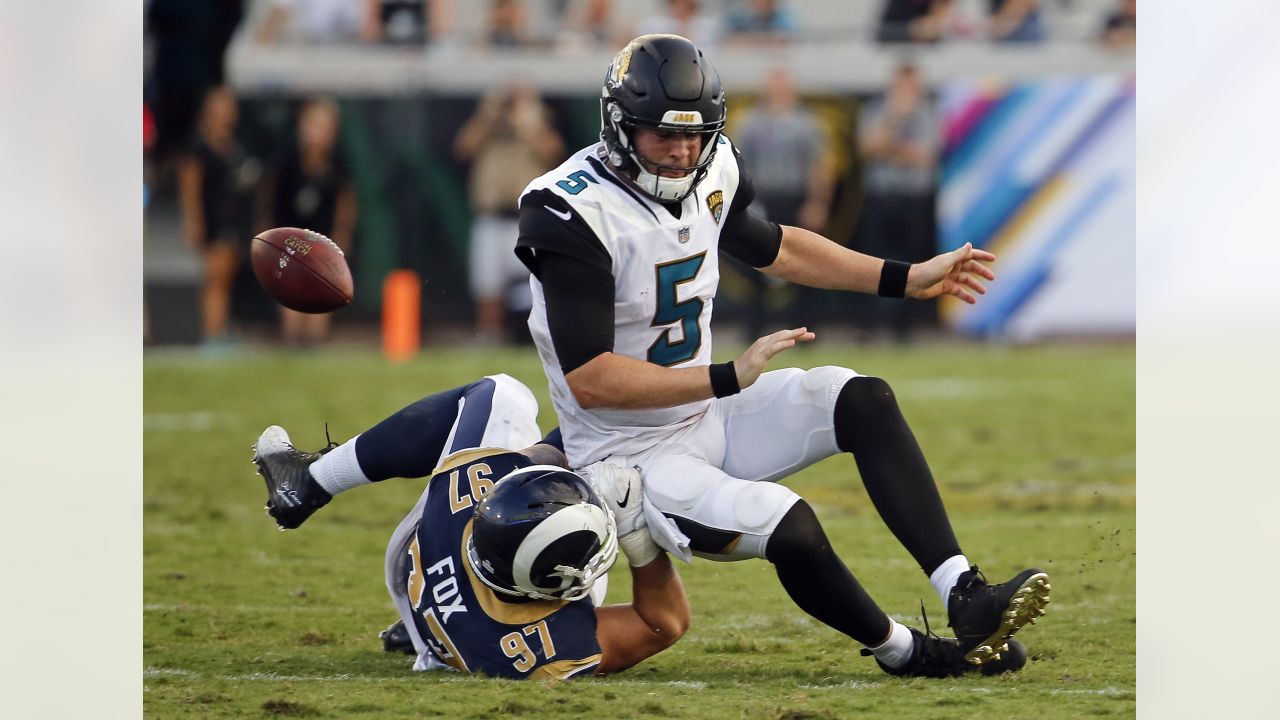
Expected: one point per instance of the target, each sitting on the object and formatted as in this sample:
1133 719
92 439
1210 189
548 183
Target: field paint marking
185 422
163 671
951 388
289 678
153 672
847 685
180 607
692 684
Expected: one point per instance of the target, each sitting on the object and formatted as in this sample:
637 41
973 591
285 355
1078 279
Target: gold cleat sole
1028 603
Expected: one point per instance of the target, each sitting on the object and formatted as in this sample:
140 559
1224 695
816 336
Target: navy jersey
467 625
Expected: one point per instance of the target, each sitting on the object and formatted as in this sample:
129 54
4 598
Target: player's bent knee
514 395
798 535
867 397
507 388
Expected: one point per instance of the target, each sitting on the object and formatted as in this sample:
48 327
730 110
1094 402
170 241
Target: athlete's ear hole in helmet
542 533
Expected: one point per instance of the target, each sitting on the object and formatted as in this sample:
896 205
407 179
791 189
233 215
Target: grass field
1033 449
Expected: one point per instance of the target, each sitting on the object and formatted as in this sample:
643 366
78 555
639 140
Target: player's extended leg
870 425
496 411
790 419
727 518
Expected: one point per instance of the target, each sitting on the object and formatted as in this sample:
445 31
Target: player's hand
952 273
751 363
621 489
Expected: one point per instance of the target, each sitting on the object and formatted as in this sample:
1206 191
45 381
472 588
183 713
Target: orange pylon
401 315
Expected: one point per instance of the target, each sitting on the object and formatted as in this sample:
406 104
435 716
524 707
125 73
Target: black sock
409 443
870 425
819 582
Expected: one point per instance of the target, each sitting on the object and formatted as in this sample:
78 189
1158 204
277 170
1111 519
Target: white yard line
185 422
158 607
156 672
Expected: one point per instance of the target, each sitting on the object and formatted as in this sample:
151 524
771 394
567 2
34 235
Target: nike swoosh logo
566 217
623 502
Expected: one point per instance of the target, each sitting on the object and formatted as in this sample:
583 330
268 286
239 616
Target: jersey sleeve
576 273
549 224
747 235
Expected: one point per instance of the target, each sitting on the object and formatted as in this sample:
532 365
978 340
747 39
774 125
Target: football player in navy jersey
623 243
499 567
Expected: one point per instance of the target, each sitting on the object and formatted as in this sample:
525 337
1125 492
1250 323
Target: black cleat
1013 659
936 657
985 616
292 493
931 656
396 639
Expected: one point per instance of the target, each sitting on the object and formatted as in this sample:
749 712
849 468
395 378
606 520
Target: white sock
338 470
896 651
945 577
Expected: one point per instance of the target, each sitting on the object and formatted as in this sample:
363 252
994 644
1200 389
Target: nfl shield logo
683 234
715 203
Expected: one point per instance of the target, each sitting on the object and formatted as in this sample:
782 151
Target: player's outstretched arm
610 380
656 618
951 273
808 258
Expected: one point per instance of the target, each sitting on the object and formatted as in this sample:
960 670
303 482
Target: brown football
303 270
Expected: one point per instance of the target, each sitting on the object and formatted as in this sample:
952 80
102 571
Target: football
303 270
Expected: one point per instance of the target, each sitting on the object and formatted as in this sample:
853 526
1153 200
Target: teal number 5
670 276
576 182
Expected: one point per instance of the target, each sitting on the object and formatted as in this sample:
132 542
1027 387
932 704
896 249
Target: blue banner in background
1043 174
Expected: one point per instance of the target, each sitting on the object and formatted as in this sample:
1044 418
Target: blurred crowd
225 193
572 24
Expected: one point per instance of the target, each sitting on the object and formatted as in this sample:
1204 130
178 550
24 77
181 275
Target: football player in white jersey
623 242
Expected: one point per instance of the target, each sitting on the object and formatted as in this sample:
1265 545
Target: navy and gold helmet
542 533
664 83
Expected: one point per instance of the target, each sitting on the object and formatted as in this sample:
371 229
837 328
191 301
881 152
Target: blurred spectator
786 154
311 188
1014 21
509 141
406 22
758 22
508 25
1120 32
899 144
314 21
682 18
786 157
189 40
587 24
918 21
216 181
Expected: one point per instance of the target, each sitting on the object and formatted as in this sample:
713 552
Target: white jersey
666 271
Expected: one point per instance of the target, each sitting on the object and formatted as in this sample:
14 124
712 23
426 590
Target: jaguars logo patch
715 203
621 63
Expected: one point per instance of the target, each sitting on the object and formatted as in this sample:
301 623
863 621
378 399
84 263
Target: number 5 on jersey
670 310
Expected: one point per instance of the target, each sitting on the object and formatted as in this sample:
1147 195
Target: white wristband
639 548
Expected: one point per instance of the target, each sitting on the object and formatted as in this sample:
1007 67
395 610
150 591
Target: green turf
1033 449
